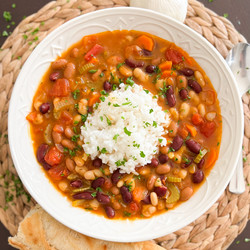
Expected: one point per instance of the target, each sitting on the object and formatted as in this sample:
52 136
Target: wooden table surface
237 12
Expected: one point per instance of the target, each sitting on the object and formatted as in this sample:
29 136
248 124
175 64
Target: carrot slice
196 119
191 129
167 65
31 116
139 193
145 42
212 157
168 73
93 99
183 132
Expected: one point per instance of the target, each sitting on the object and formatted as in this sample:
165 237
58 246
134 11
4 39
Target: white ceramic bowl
33 176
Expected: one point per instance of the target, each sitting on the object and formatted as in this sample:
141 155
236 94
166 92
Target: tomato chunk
197 119
134 207
60 88
53 156
58 172
208 128
97 49
173 55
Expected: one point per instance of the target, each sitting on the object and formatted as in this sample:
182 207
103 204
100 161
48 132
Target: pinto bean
193 146
70 164
68 144
151 182
170 96
172 129
74 53
69 71
177 143
59 64
194 85
154 199
181 82
186 193
163 168
57 137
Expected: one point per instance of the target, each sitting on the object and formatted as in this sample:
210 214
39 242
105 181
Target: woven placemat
221 224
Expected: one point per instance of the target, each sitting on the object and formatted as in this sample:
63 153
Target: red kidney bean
187 163
170 96
86 195
76 183
107 86
97 163
177 143
186 72
154 162
98 182
150 69
146 52
40 154
44 108
54 76
198 176
147 200
193 146
134 63
90 110
160 191
126 195
194 85
201 163
183 94
110 212
163 158
102 198
116 176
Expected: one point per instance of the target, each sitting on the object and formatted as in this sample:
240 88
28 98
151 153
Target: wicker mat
219 226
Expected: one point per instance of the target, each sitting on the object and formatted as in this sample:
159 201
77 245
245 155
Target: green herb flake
115 137
146 91
34 31
116 105
119 65
25 36
218 143
104 151
151 111
7 16
93 194
225 15
92 71
127 132
101 118
142 154
13 5
126 214
155 124
5 33
160 140
237 242
130 81
84 118
98 189
244 159
108 120
74 138
101 75
102 98
247 240
76 94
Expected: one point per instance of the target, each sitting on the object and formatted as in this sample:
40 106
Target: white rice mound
126 129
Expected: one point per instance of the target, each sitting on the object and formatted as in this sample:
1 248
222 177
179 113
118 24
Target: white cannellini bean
202 110
210 116
140 75
199 78
184 110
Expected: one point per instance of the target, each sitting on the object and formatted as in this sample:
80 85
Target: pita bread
39 231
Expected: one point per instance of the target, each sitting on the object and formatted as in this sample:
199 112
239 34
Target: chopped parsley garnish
116 105
119 65
101 75
244 159
76 106
126 214
108 121
130 81
75 137
171 131
93 194
160 140
185 159
136 145
25 36
114 87
13 5
147 91
171 150
127 132
7 16
103 92
84 118
151 111
225 15
102 98
5 33
76 94
92 71
142 154
155 124
35 31
103 151
98 189
101 118
115 137
74 129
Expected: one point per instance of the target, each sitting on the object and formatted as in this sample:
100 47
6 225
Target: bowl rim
92 15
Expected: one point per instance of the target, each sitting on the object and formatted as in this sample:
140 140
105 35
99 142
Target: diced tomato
134 207
174 56
107 184
53 156
97 49
66 117
31 116
208 128
197 119
57 172
60 88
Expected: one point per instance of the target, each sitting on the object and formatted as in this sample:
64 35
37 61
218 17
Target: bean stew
84 76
